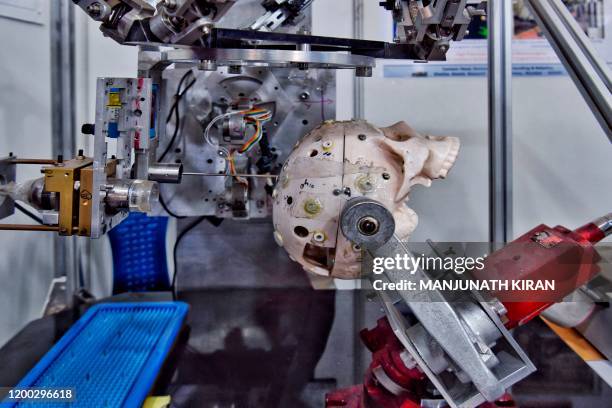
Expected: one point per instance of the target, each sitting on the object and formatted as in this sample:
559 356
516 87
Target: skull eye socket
319 256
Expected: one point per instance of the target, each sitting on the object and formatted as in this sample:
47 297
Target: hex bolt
94 9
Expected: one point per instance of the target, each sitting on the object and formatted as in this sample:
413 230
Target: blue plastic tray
110 357
139 254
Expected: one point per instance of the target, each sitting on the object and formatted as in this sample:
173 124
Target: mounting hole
289 200
314 152
304 122
300 231
209 161
318 237
368 226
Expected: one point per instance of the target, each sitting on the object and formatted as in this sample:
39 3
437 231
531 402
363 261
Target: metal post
63 123
358 88
500 18
589 72
62 78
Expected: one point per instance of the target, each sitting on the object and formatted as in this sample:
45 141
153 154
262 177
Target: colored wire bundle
257 117
232 169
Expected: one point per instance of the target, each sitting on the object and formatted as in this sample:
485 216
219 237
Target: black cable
172 214
174 109
28 213
175 251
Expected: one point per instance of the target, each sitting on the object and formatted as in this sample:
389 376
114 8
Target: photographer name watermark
465 285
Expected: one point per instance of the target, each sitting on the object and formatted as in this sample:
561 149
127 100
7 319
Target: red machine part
387 356
557 255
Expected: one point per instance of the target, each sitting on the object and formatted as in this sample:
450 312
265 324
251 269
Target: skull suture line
342 160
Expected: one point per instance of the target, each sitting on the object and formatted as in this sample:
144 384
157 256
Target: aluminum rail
588 71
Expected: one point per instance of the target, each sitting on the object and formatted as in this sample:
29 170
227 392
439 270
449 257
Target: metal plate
302 100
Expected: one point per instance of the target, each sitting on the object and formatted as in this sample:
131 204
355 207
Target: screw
386 176
207 29
208 65
365 184
312 206
170 4
363 72
337 192
362 137
234 69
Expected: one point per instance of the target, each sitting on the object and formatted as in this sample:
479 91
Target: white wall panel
27 265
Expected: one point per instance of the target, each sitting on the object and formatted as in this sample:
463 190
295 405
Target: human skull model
342 160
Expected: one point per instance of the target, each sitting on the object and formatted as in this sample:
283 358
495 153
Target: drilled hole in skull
300 231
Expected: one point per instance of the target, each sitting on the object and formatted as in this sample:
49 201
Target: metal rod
589 72
34 161
230 175
500 18
28 227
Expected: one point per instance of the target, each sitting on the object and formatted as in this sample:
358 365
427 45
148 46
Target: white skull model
342 160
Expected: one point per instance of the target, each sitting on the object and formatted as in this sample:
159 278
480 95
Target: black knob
88 129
